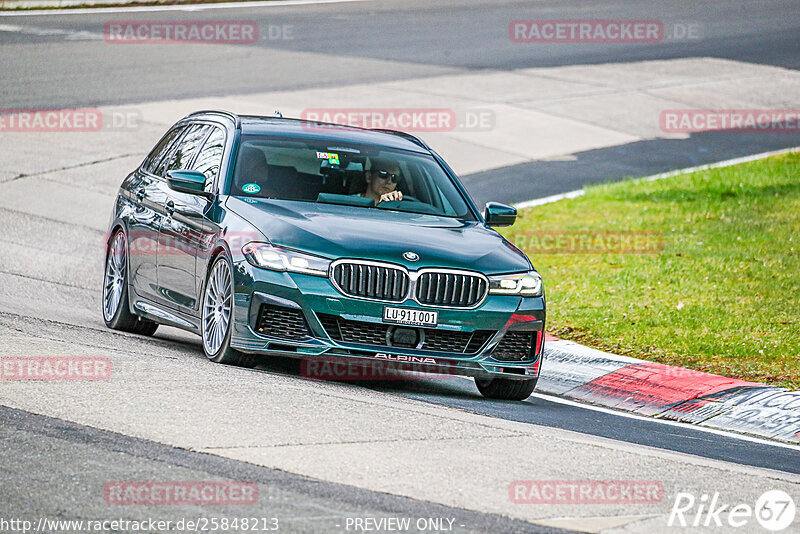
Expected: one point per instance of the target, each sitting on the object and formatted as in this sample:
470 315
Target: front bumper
316 297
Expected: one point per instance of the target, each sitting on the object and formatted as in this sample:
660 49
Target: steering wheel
405 198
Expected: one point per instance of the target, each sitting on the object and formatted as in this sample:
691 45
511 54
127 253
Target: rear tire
506 388
217 322
116 309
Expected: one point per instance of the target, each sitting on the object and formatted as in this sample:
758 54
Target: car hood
335 231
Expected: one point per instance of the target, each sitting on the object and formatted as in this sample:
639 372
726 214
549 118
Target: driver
382 180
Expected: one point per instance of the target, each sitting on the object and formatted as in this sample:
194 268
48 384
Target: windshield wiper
346 200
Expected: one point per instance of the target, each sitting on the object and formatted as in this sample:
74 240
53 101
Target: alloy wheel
217 307
116 263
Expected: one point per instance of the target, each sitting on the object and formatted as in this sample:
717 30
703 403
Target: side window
210 157
188 146
161 168
157 154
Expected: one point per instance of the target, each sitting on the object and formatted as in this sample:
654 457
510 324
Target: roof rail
228 114
405 135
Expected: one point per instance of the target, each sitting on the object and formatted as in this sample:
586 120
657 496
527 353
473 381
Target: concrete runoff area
545 117
56 192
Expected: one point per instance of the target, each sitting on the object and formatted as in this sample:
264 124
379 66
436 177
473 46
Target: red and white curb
588 375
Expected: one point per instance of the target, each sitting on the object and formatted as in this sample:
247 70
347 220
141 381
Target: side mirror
497 214
192 182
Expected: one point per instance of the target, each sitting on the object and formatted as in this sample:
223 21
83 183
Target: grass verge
700 270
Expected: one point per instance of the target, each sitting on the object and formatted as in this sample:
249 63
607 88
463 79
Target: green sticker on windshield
332 157
251 188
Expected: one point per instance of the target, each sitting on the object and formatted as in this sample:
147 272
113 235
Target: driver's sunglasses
386 175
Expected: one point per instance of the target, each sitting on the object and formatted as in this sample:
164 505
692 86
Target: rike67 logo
774 511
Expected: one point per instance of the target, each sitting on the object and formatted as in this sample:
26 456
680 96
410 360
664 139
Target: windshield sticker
332 157
251 188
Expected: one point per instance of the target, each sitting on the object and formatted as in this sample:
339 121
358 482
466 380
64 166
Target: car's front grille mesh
479 339
362 332
446 341
365 333
278 321
331 325
450 289
515 346
371 281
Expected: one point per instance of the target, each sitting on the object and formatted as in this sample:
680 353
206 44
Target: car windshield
313 170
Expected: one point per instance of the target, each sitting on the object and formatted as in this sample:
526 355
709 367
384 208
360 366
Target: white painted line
732 435
68 35
549 200
182 7
727 163
719 164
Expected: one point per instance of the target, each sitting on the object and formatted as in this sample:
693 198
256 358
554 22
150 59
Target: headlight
268 256
523 284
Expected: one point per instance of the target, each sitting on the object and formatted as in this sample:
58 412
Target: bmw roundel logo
411 256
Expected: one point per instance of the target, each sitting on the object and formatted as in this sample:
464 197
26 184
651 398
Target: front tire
506 388
116 310
218 316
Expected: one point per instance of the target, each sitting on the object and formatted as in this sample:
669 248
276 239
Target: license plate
411 317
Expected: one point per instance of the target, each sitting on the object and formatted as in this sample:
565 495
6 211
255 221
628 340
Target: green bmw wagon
284 237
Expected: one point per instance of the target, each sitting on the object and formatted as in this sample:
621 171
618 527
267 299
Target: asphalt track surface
41 451
460 393
548 411
405 40
418 37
